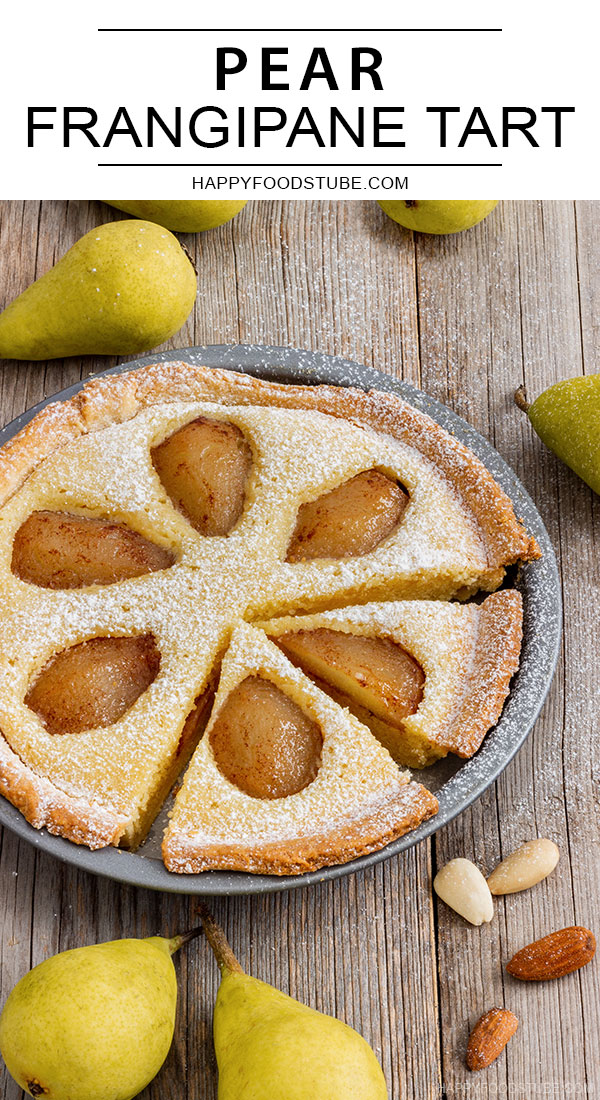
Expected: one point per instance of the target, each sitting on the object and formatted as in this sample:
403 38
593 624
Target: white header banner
155 101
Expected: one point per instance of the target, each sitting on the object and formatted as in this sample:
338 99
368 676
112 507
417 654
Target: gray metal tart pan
456 783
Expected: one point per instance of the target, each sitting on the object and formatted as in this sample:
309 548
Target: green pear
122 288
271 1047
94 1023
566 417
183 215
438 215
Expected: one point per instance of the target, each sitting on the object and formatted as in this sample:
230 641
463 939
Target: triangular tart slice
427 678
347 797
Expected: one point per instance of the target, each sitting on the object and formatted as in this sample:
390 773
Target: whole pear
122 288
94 1023
183 215
438 215
566 417
271 1047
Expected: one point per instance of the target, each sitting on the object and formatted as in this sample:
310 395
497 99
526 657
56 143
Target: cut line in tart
180 504
426 677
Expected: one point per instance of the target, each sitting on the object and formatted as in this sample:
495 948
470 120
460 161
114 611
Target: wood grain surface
468 318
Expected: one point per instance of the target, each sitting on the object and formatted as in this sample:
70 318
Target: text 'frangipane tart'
149 517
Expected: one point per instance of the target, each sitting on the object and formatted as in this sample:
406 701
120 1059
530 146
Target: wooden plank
469 318
17 887
580 552
292 274
513 317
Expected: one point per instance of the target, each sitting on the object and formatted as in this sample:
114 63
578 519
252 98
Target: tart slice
103 698
285 780
427 678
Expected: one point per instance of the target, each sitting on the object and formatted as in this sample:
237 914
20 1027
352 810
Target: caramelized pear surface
58 550
204 468
376 673
349 521
263 742
93 684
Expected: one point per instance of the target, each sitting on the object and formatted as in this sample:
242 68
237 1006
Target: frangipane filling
263 742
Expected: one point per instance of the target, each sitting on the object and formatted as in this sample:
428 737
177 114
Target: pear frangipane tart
176 531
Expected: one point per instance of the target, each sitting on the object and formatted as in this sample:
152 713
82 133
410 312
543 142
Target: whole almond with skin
462 886
559 953
490 1036
531 863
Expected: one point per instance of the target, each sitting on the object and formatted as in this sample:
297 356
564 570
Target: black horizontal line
299 30
315 167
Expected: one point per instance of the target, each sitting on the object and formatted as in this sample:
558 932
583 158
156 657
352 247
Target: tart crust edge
46 806
411 805
496 658
113 399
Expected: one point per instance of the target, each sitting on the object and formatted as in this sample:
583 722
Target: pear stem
189 256
521 399
218 941
178 941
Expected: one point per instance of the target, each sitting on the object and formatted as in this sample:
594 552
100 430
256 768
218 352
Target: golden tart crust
106 401
91 456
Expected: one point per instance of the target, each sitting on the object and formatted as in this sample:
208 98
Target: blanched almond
531 863
462 886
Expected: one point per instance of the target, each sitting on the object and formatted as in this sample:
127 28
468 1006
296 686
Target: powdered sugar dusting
146 511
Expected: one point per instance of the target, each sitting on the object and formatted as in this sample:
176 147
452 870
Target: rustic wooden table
467 318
